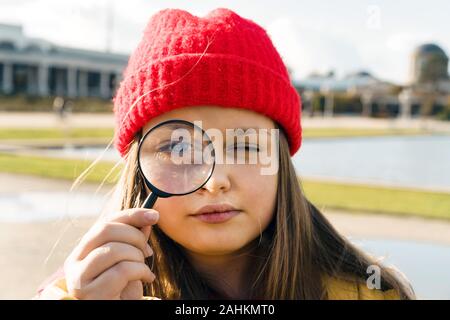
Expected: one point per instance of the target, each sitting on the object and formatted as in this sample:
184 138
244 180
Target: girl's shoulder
343 289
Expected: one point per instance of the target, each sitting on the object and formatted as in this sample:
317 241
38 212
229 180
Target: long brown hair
296 251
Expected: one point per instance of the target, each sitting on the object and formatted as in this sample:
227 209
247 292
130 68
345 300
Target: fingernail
151 215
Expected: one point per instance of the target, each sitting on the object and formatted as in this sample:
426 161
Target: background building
39 68
426 93
429 85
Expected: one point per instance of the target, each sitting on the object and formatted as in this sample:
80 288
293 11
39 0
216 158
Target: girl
223 70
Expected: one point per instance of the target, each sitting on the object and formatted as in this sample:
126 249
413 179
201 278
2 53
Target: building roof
12 38
326 82
430 48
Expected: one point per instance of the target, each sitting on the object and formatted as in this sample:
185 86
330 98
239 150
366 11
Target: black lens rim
153 188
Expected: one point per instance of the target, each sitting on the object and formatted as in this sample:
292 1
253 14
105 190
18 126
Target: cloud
319 37
81 24
307 49
390 54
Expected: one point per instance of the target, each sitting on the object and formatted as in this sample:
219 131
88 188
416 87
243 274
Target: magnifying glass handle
148 204
150 201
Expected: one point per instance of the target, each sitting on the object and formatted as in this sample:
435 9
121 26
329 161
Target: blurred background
373 77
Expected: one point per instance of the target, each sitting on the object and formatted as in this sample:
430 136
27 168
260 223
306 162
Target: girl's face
240 185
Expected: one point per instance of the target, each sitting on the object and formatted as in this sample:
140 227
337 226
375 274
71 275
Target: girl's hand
108 263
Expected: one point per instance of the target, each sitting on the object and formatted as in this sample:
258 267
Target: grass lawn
54 133
323 194
68 169
378 199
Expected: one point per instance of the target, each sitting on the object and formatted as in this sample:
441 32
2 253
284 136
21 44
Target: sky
312 36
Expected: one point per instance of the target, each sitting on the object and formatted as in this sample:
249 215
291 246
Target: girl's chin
214 247
215 251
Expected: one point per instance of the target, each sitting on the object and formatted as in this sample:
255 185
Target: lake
411 161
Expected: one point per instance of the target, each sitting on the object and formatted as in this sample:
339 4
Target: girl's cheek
261 191
171 210
251 179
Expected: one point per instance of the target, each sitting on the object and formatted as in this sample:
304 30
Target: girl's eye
175 145
248 147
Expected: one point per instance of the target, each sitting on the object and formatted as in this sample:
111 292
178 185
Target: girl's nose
219 180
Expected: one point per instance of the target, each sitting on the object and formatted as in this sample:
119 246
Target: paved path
50 120
105 120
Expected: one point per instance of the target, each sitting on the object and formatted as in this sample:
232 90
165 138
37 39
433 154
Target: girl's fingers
114 280
146 231
136 217
104 257
109 256
133 291
110 232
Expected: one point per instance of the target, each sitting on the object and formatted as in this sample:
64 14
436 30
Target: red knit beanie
221 59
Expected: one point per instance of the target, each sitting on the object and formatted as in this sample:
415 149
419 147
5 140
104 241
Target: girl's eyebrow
267 130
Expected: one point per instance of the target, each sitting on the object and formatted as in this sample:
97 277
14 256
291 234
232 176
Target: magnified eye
182 147
175 146
166 149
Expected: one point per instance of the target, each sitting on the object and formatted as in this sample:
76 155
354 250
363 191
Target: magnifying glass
175 158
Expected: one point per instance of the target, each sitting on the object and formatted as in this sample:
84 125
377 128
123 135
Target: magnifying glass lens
176 157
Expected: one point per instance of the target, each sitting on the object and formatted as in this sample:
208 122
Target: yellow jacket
337 289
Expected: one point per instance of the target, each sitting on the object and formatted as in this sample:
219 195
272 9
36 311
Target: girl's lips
216 217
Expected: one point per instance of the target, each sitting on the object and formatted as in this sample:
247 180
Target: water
413 161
